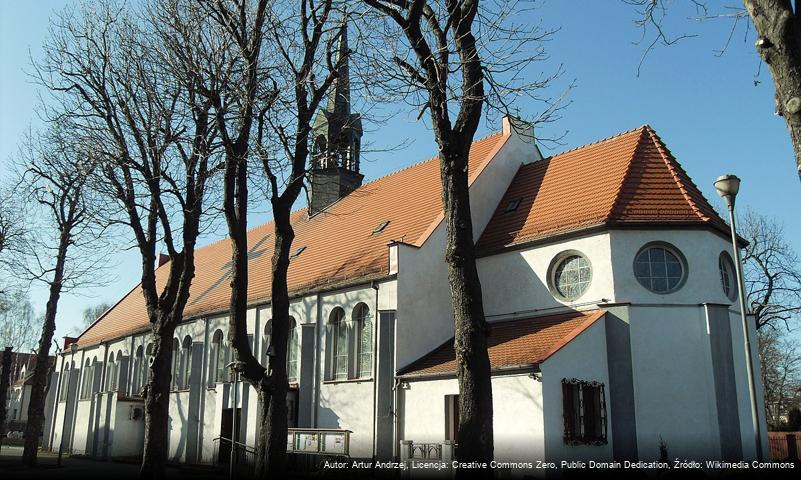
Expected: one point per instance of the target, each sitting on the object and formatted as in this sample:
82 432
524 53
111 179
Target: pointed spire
339 101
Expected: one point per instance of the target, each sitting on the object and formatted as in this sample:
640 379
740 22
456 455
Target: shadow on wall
327 418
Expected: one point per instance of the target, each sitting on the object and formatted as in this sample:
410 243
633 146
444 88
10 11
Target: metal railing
244 455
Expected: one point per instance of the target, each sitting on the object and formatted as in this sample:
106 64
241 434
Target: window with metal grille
88 380
584 408
364 326
65 382
292 352
186 363
340 345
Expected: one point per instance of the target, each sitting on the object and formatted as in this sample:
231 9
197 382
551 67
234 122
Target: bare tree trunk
157 402
276 412
5 380
470 326
779 45
33 429
454 140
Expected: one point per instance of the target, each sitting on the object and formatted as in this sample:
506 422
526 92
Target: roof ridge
417 164
624 178
673 164
611 137
294 212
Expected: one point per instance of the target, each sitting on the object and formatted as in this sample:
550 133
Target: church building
608 283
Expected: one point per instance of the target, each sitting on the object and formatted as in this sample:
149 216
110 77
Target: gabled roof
629 179
25 362
513 343
338 245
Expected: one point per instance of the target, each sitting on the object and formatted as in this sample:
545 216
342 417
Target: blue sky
706 108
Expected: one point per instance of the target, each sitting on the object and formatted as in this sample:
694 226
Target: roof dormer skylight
297 253
512 205
380 228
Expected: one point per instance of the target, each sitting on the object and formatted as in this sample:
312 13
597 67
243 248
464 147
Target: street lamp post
236 368
727 187
73 349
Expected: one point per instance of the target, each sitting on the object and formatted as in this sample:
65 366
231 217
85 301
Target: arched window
186 363
65 382
148 360
117 370
88 377
268 342
337 345
364 332
175 364
138 366
292 352
110 374
220 357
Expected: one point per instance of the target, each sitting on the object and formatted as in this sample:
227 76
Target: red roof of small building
629 179
512 343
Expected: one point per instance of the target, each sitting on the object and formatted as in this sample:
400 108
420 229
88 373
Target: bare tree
17 321
778 30
266 68
781 374
455 58
12 229
61 250
772 272
154 139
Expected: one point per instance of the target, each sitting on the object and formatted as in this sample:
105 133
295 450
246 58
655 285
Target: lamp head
727 187
73 347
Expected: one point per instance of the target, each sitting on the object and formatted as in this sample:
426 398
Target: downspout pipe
375 285
203 386
317 347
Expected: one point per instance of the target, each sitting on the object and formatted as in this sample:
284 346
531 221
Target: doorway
226 428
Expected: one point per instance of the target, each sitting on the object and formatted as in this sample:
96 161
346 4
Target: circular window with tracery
660 268
571 275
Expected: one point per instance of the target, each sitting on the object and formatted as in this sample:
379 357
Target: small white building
19 393
607 279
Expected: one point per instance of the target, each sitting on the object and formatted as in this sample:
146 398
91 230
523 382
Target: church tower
336 140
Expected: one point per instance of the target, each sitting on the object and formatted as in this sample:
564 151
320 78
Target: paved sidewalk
83 468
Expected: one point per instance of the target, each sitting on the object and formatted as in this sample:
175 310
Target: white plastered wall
517 414
517 281
583 358
423 289
347 404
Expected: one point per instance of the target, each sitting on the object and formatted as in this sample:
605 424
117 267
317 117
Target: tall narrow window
110 372
186 363
175 364
138 365
222 358
214 361
292 352
86 380
338 345
115 386
148 358
65 384
364 329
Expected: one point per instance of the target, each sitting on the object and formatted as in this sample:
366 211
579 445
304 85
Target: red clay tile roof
513 343
340 246
631 178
